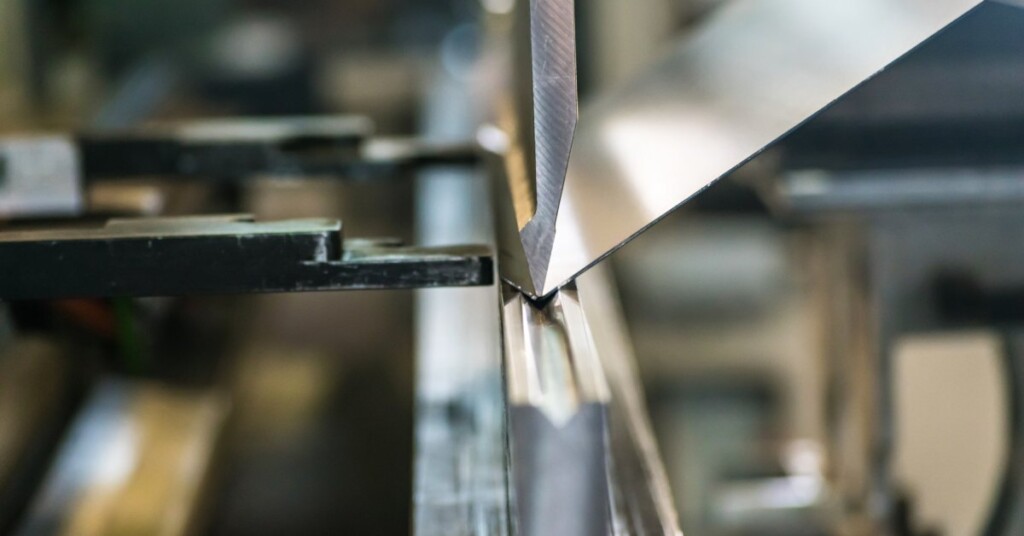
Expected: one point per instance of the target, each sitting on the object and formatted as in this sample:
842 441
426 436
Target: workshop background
294 414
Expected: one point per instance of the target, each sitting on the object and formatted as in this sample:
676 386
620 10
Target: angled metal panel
755 72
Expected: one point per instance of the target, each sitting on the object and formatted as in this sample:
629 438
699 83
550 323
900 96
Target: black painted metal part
222 255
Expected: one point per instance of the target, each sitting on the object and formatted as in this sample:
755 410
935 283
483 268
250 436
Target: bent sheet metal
755 72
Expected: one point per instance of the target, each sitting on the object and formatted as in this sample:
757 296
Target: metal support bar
222 255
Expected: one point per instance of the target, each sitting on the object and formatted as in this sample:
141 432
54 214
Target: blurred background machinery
827 341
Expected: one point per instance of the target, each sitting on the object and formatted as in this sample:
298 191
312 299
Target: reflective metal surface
461 483
641 500
137 461
558 418
540 119
756 71
464 483
582 458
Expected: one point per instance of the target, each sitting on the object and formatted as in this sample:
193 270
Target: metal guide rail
222 255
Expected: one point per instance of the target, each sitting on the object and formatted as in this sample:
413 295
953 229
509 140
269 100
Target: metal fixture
221 255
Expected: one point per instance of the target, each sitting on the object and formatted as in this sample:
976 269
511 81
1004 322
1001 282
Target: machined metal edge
538 111
721 99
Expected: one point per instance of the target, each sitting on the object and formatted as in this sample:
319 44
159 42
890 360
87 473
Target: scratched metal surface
555 112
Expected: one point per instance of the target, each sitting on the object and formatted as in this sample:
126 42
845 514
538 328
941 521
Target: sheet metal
582 457
755 72
557 418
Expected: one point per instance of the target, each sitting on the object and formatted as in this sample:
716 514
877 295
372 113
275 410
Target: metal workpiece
222 255
641 500
557 418
755 72
582 457
539 116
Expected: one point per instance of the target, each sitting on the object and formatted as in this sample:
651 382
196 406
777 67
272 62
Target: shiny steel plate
755 72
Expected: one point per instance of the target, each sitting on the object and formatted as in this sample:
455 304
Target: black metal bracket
222 255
